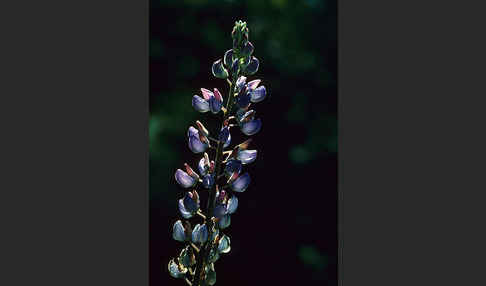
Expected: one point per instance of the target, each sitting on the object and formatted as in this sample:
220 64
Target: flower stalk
205 242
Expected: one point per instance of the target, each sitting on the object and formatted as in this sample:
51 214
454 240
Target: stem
206 247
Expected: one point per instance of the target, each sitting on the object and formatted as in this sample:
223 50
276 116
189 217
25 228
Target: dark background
285 228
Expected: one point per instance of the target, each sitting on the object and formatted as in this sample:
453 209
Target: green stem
205 249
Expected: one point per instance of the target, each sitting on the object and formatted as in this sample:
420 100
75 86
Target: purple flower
200 104
252 127
240 83
232 166
184 179
258 94
189 205
243 99
240 183
246 156
204 164
197 142
225 136
209 101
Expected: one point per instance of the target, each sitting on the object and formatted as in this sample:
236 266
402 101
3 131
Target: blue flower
189 205
224 221
179 233
200 233
176 270
187 257
224 244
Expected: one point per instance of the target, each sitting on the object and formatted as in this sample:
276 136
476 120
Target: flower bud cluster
220 178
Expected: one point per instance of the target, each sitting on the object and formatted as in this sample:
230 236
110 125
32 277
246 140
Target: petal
217 95
196 233
184 179
252 68
240 82
200 104
215 105
258 94
253 84
178 231
185 213
192 131
203 168
232 204
208 181
207 94
246 156
211 276
224 222
218 70
228 58
248 49
243 100
219 211
252 127
190 204
196 145
224 244
241 183
213 255
186 257
231 167
203 233
174 269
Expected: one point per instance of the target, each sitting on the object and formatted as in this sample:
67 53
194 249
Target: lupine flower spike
221 178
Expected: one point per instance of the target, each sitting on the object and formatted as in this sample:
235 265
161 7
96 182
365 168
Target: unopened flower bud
247 49
228 58
235 66
218 70
252 67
